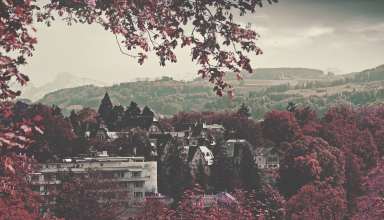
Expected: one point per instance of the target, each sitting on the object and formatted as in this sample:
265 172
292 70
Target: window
36 188
150 194
35 178
50 177
136 174
139 184
138 194
44 189
273 159
120 174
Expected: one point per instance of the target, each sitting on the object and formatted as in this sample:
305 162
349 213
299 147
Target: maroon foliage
353 176
139 27
308 121
266 204
317 201
57 137
17 201
280 126
309 159
372 118
371 204
340 129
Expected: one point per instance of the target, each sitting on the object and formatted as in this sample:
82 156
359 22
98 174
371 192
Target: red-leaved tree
317 201
280 126
307 160
371 204
217 42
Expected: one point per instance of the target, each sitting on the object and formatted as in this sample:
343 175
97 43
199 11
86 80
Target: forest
330 166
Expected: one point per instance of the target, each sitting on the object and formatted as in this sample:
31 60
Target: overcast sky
339 35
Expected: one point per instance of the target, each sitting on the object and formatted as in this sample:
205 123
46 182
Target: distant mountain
61 81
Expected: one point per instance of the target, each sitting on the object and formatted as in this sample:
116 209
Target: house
267 158
199 153
216 128
221 199
197 158
155 129
238 151
104 135
233 147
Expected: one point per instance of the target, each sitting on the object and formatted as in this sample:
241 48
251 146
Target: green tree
244 111
105 110
131 116
147 117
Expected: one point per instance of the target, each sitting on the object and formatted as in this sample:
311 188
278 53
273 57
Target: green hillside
260 92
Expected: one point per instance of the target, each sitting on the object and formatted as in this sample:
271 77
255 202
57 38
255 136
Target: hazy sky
338 35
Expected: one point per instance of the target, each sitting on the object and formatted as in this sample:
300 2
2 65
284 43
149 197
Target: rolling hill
264 90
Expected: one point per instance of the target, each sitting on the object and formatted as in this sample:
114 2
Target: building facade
136 177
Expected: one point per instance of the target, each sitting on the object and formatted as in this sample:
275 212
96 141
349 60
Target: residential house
212 129
267 158
221 199
197 158
237 149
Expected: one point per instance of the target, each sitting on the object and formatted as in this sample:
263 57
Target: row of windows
121 174
138 194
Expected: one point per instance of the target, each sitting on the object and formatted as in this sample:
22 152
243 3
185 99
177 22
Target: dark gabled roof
191 152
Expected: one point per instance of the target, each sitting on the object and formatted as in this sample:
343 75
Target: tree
193 206
370 205
131 116
317 200
223 171
88 197
155 209
244 111
291 107
280 126
117 117
88 121
139 27
372 118
179 176
56 141
147 117
308 121
340 128
353 180
17 201
105 110
266 203
249 173
307 160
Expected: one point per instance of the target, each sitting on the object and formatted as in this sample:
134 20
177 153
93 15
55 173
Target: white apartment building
137 177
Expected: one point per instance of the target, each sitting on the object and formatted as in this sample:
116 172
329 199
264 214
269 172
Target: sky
341 36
